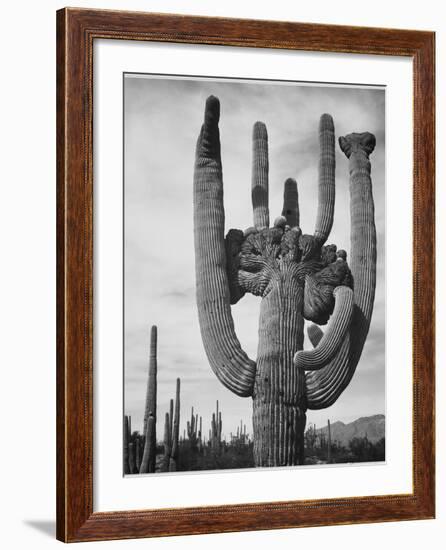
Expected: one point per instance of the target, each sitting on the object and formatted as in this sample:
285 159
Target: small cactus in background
215 431
297 276
167 443
329 442
200 436
149 427
149 454
126 465
191 428
175 431
138 452
132 463
171 432
171 419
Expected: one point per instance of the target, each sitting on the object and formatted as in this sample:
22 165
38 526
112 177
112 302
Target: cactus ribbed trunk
279 392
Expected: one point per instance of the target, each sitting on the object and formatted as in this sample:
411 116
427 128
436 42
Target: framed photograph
245 275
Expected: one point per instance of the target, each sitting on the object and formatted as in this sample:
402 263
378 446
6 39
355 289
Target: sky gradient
162 119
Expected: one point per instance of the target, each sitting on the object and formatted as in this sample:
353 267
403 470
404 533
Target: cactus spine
149 456
297 276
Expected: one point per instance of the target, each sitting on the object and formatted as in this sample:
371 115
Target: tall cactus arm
150 406
326 186
335 334
315 334
227 359
357 148
291 203
259 183
326 385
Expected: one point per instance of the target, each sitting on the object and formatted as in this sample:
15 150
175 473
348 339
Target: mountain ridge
374 427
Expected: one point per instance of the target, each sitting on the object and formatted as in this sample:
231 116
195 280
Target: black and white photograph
254 274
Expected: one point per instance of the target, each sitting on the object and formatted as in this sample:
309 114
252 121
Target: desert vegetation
143 452
200 448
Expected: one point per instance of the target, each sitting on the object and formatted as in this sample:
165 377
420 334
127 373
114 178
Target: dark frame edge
61 27
75 518
424 274
74 425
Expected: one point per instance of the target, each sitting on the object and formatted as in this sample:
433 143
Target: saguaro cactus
215 432
126 465
192 431
297 276
167 443
175 431
329 442
149 428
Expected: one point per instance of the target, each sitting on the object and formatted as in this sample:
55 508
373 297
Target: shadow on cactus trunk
296 275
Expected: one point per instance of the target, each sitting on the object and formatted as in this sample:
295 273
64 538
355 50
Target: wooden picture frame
76 31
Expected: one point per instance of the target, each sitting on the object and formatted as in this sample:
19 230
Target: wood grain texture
76 31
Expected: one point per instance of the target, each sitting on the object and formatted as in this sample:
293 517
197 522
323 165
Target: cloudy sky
162 117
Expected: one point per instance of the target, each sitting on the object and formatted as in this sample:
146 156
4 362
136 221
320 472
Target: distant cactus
192 431
149 454
167 443
175 431
149 428
200 436
138 453
126 465
132 462
215 431
328 442
150 406
297 276
171 420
